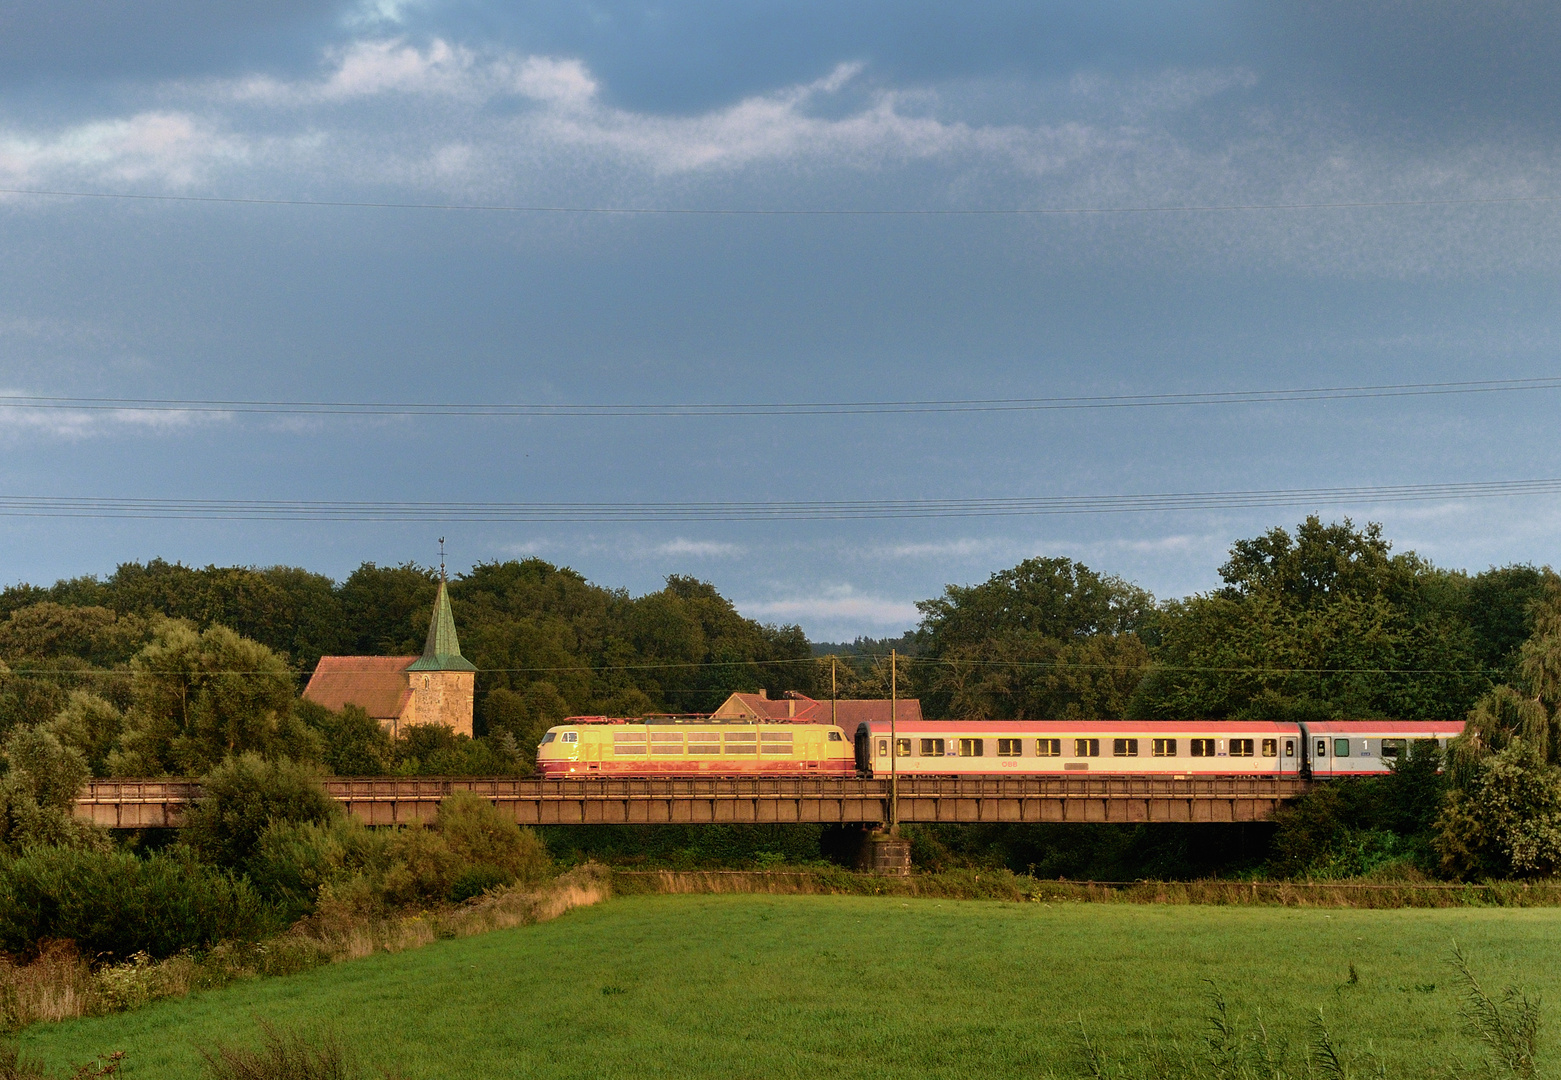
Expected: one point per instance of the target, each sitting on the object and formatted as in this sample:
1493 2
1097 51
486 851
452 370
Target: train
599 746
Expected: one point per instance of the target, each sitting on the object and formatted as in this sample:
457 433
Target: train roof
1422 728
1102 727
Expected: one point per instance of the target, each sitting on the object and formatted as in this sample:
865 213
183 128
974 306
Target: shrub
476 880
283 1056
481 834
111 903
38 792
242 797
1506 819
293 861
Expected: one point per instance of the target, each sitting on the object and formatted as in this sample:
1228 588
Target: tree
90 726
200 698
38 794
242 797
1048 638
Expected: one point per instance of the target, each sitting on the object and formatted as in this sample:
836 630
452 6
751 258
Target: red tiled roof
809 710
376 684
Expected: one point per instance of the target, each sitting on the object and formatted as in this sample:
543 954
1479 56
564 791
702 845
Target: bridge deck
130 804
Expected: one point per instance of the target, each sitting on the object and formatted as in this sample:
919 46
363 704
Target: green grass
807 986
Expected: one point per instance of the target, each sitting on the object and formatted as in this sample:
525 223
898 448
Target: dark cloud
87 41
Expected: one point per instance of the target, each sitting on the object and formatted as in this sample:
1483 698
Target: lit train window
1086 747
1341 748
932 748
902 748
1289 748
1048 748
972 747
1322 747
1124 747
1241 748
883 747
1392 748
1165 748
1202 747
1270 747
1010 747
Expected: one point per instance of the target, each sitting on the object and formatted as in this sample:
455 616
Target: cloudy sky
1447 110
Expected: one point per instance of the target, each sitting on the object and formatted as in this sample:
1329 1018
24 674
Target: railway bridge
138 804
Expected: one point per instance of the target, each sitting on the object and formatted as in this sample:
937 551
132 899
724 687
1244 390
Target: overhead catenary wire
117 507
227 406
732 211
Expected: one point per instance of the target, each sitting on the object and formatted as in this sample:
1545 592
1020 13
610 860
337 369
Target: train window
932 748
1048 748
883 747
835 736
628 743
902 748
666 742
1202 747
1322 747
742 742
972 747
1165 748
775 742
1241 748
1086 747
549 737
571 736
1124 747
1341 748
704 742
1289 748
1270 747
1392 748
1010 747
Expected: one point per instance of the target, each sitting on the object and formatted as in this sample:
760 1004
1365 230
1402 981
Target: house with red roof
803 709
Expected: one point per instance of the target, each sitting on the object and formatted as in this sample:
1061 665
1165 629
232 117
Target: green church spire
443 650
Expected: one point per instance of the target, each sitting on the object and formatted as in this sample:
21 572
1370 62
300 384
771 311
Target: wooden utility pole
894 744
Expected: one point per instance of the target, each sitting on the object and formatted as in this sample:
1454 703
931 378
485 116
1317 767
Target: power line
798 408
55 506
1009 211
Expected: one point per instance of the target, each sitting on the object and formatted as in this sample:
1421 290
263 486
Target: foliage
201 697
244 796
1048 638
113 903
355 744
1505 818
1327 624
38 792
436 750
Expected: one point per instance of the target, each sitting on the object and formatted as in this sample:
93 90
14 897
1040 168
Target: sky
1432 113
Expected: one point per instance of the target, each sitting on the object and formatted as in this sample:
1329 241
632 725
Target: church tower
442 681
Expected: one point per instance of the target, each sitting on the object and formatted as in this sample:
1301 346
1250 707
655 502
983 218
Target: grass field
777 986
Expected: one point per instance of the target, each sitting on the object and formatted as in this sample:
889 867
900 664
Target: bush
480 834
476 880
244 796
1506 819
38 792
293 861
111 903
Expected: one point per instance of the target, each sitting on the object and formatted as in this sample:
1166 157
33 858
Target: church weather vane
441 558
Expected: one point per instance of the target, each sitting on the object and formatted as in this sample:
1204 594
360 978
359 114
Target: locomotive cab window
1010 747
1270 747
1086 747
549 737
1202 747
835 736
1341 748
1392 748
1048 748
571 736
1165 748
932 748
972 747
1241 748
1124 747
